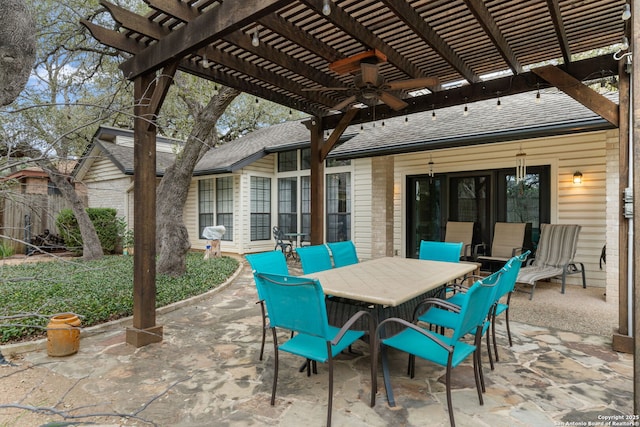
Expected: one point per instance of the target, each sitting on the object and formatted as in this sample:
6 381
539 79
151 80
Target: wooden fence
42 211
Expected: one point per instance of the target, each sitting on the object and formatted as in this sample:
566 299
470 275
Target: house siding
108 187
570 204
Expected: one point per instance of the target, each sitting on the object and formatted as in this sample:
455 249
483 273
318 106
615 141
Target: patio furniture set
418 306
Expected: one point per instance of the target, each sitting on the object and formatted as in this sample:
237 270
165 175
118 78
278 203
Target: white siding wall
570 204
107 187
361 214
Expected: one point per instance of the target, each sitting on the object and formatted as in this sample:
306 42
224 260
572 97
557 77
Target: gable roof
557 114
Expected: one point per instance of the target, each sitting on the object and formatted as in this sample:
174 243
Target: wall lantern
577 177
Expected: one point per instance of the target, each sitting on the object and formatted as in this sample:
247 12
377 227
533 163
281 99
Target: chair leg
477 372
330 404
264 328
506 319
387 378
489 350
533 288
275 367
448 385
493 335
477 363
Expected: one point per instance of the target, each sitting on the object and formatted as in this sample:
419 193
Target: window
338 207
305 159
205 204
287 202
224 205
288 161
332 163
305 205
260 208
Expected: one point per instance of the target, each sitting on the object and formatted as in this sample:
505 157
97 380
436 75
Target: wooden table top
389 281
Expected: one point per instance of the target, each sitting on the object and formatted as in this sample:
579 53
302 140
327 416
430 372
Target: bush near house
103 219
98 291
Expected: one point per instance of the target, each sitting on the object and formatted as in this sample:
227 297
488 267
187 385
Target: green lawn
98 291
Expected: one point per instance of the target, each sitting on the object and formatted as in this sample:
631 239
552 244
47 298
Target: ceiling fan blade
322 89
344 103
369 73
392 101
411 84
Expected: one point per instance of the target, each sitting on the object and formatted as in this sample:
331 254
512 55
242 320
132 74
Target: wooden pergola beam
211 25
558 25
573 87
409 15
485 19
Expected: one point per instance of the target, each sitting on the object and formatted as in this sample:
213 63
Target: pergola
309 55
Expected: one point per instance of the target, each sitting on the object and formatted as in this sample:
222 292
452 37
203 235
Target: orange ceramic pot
63 335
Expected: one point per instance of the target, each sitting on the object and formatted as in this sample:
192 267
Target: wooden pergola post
144 330
317 182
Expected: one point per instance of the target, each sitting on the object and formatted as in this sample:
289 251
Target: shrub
105 222
6 250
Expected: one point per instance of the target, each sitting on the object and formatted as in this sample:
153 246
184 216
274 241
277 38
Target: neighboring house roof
519 118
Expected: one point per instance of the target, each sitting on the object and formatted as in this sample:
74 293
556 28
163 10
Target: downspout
630 259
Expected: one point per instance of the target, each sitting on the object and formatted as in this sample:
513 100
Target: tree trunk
91 247
17 48
172 234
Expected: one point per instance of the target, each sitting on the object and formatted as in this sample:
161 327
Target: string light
538 100
498 103
466 107
215 89
431 166
326 8
406 120
433 112
626 13
257 100
255 40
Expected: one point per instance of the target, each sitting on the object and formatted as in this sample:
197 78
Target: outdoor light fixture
255 40
466 107
521 165
626 13
538 100
430 166
577 177
326 8
433 112
498 103
406 120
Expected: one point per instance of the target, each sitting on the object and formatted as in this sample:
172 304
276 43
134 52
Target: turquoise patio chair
440 251
506 288
266 262
344 253
445 316
446 351
298 304
314 258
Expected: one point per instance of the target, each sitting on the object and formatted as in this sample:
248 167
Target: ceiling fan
369 86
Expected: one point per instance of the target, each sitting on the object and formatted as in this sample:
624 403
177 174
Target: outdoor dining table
386 287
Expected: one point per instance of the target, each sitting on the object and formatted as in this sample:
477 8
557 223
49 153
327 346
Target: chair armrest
438 302
427 334
476 249
353 319
516 251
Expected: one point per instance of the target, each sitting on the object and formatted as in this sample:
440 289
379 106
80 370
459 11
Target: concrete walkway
206 372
